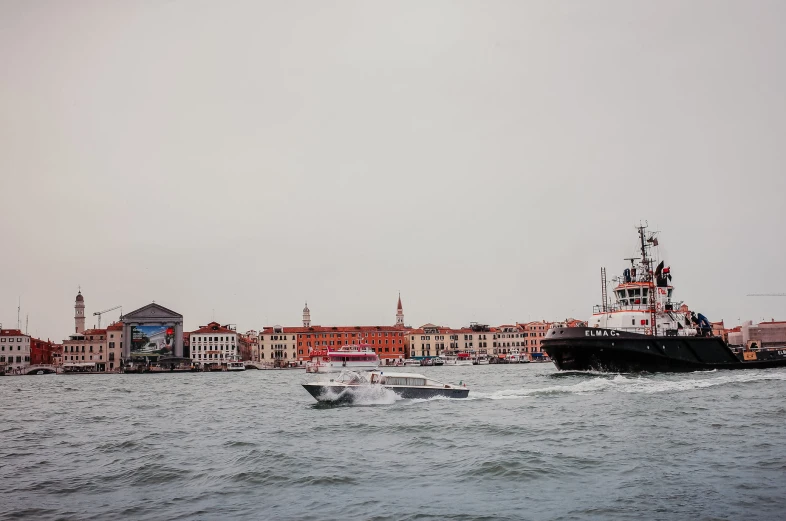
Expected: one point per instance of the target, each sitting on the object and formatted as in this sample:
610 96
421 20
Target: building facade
14 350
114 333
763 334
430 340
86 351
280 345
43 352
248 345
213 345
533 334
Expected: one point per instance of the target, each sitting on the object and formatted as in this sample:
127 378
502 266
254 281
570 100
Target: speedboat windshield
351 377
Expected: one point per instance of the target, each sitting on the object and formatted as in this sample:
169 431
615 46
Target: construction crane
766 295
99 313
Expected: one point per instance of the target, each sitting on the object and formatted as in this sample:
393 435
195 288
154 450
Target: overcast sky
234 159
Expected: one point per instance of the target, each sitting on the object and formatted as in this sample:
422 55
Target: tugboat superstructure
642 299
644 329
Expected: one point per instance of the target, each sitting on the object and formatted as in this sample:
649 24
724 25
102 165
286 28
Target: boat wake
361 395
651 384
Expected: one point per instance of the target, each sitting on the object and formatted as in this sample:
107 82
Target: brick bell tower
79 313
399 312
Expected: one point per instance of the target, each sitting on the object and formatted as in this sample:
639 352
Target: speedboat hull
350 393
594 349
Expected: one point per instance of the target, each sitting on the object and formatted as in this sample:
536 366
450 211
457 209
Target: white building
14 350
213 345
279 343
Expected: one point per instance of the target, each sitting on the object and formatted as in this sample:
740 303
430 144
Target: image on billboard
152 340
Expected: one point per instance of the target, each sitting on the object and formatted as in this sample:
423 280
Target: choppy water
529 444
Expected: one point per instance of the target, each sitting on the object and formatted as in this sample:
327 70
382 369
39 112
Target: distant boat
357 357
463 359
236 365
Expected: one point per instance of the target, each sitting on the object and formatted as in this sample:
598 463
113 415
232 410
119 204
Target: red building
43 352
389 342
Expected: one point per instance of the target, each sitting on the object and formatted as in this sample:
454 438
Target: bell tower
79 313
306 316
399 312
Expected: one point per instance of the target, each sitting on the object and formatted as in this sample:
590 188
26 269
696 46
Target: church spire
306 316
399 312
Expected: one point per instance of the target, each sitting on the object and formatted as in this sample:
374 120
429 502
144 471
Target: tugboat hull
594 349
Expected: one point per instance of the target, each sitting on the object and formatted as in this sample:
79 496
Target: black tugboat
644 330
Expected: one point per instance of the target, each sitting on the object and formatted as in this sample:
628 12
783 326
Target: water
530 443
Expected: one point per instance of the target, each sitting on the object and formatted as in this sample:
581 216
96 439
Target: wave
639 384
362 395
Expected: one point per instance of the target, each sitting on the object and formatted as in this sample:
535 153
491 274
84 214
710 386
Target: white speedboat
411 361
236 365
350 386
357 357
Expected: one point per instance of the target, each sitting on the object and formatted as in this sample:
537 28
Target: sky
232 160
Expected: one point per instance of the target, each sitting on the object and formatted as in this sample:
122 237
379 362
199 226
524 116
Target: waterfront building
764 334
186 344
43 352
114 349
86 351
57 354
719 330
533 333
389 342
477 339
293 345
278 345
14 350
506 338
248 345
281 345
430 340
213 345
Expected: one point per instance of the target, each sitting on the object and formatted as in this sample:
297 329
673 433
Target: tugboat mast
649 278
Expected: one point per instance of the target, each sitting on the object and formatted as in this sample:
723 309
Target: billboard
152 340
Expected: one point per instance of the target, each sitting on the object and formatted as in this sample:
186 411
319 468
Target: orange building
533 333
389 342
292 345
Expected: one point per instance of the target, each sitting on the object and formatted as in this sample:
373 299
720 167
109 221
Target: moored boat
481 360
351 386
463 359
643 329
236 365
